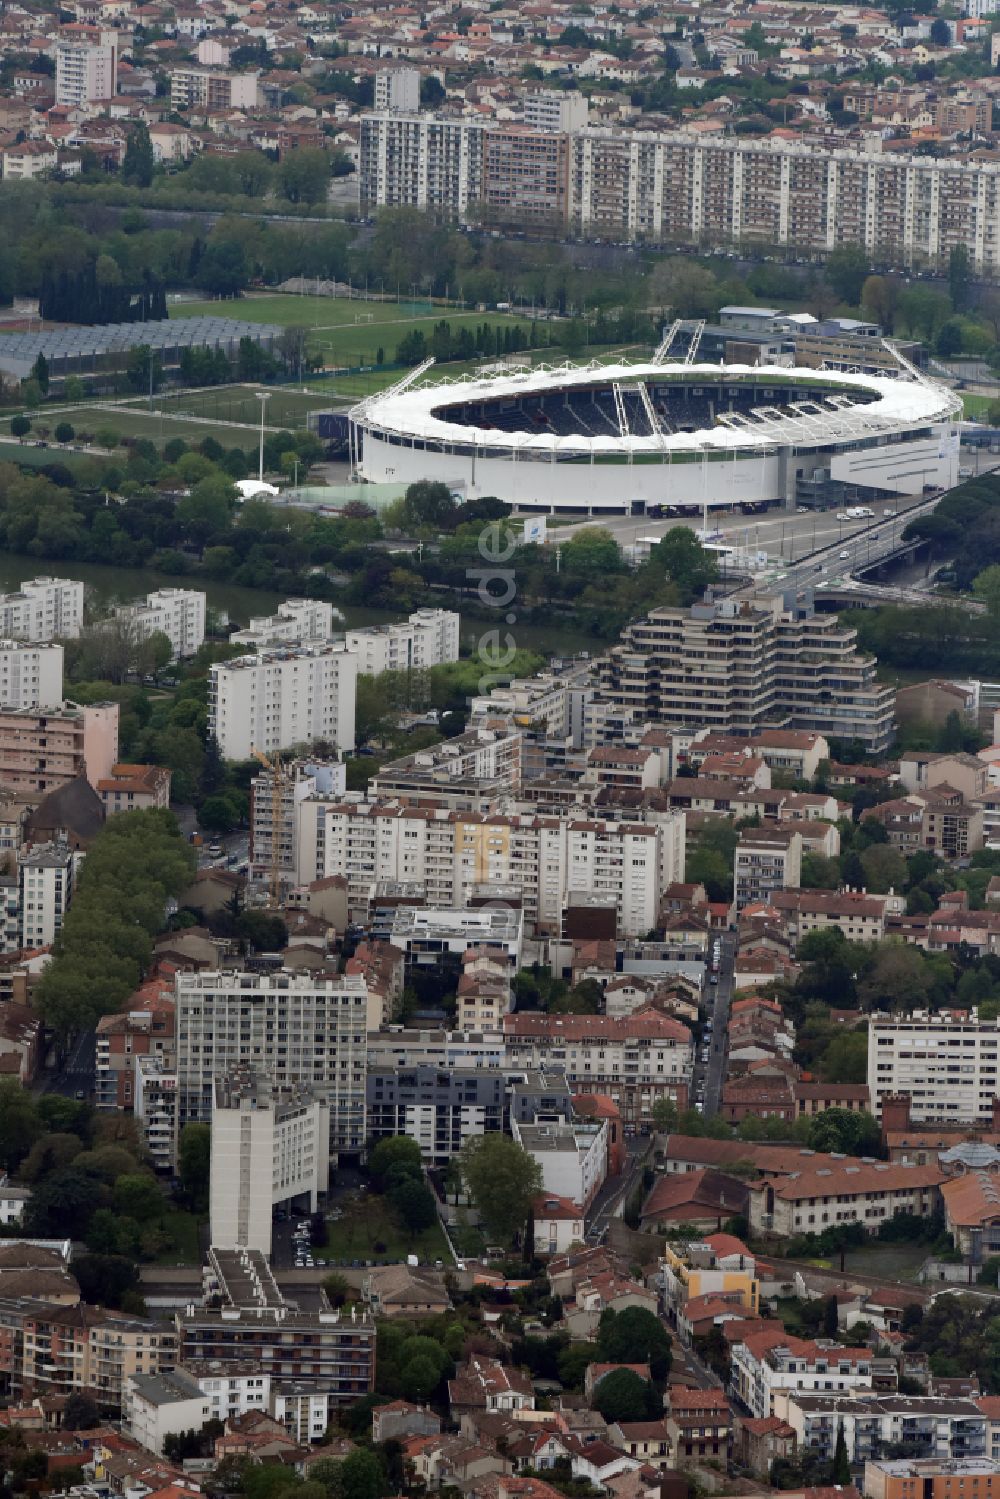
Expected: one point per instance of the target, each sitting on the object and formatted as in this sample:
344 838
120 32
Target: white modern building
261 1135
230 1389
282 698
758 1373
178 613
155 1107
767 859
86 71
428 638
307 1029
554 109
546 858
45 889
397 89
945 1063
294 620
31 676
941 1426
43 609
158 1406
572 1154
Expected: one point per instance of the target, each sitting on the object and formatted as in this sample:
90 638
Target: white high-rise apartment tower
281 698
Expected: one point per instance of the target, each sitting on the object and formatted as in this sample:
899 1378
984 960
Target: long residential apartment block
457 855
636 1060
675 187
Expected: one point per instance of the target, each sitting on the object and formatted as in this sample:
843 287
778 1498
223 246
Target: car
844 516
844 556
216 850
79 1093
713 978
819 567
700 1107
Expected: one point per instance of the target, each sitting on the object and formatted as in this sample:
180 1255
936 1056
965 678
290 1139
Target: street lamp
263 396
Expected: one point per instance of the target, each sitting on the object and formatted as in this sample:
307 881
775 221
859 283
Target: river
123 584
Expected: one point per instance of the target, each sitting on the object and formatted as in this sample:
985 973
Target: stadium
641 438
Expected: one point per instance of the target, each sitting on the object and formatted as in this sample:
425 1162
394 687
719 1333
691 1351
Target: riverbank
113 585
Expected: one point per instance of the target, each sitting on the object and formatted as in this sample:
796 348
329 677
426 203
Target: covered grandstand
654 434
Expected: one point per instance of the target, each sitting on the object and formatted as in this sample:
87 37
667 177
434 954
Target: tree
842 1131
884 867
61 1205
840 1473
431 91
80 1413
898 979
941 36
845 1060
20 426
138 1196
194 1156
138 163
502 1180
831 1320
415 1205
847 270
363 1475
20 1125
879 300
985 585
64 432
222 270
40 374
623 1395
680 556
683 287
429 504
338 1292
635 1336
958 259
304 176
664 1115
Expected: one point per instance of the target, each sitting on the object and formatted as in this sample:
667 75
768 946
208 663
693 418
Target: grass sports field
343 330
239 403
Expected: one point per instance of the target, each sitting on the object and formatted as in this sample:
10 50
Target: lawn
184 1247
368 1222
239 403
345 331
131 421
899 1262
976 407
29 457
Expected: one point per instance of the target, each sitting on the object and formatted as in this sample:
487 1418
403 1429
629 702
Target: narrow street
77 1075
719 1011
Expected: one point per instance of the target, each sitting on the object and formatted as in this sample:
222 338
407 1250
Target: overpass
838 564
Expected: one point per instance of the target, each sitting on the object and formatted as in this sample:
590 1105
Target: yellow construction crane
277 770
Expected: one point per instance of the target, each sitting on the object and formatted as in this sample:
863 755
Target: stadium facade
626 438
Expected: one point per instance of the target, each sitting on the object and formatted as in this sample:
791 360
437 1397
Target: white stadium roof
410 410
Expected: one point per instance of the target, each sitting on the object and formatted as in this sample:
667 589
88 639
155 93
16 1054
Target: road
78 1075
615 1192
719 1011
782 534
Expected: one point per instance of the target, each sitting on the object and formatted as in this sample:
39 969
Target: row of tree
137 862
